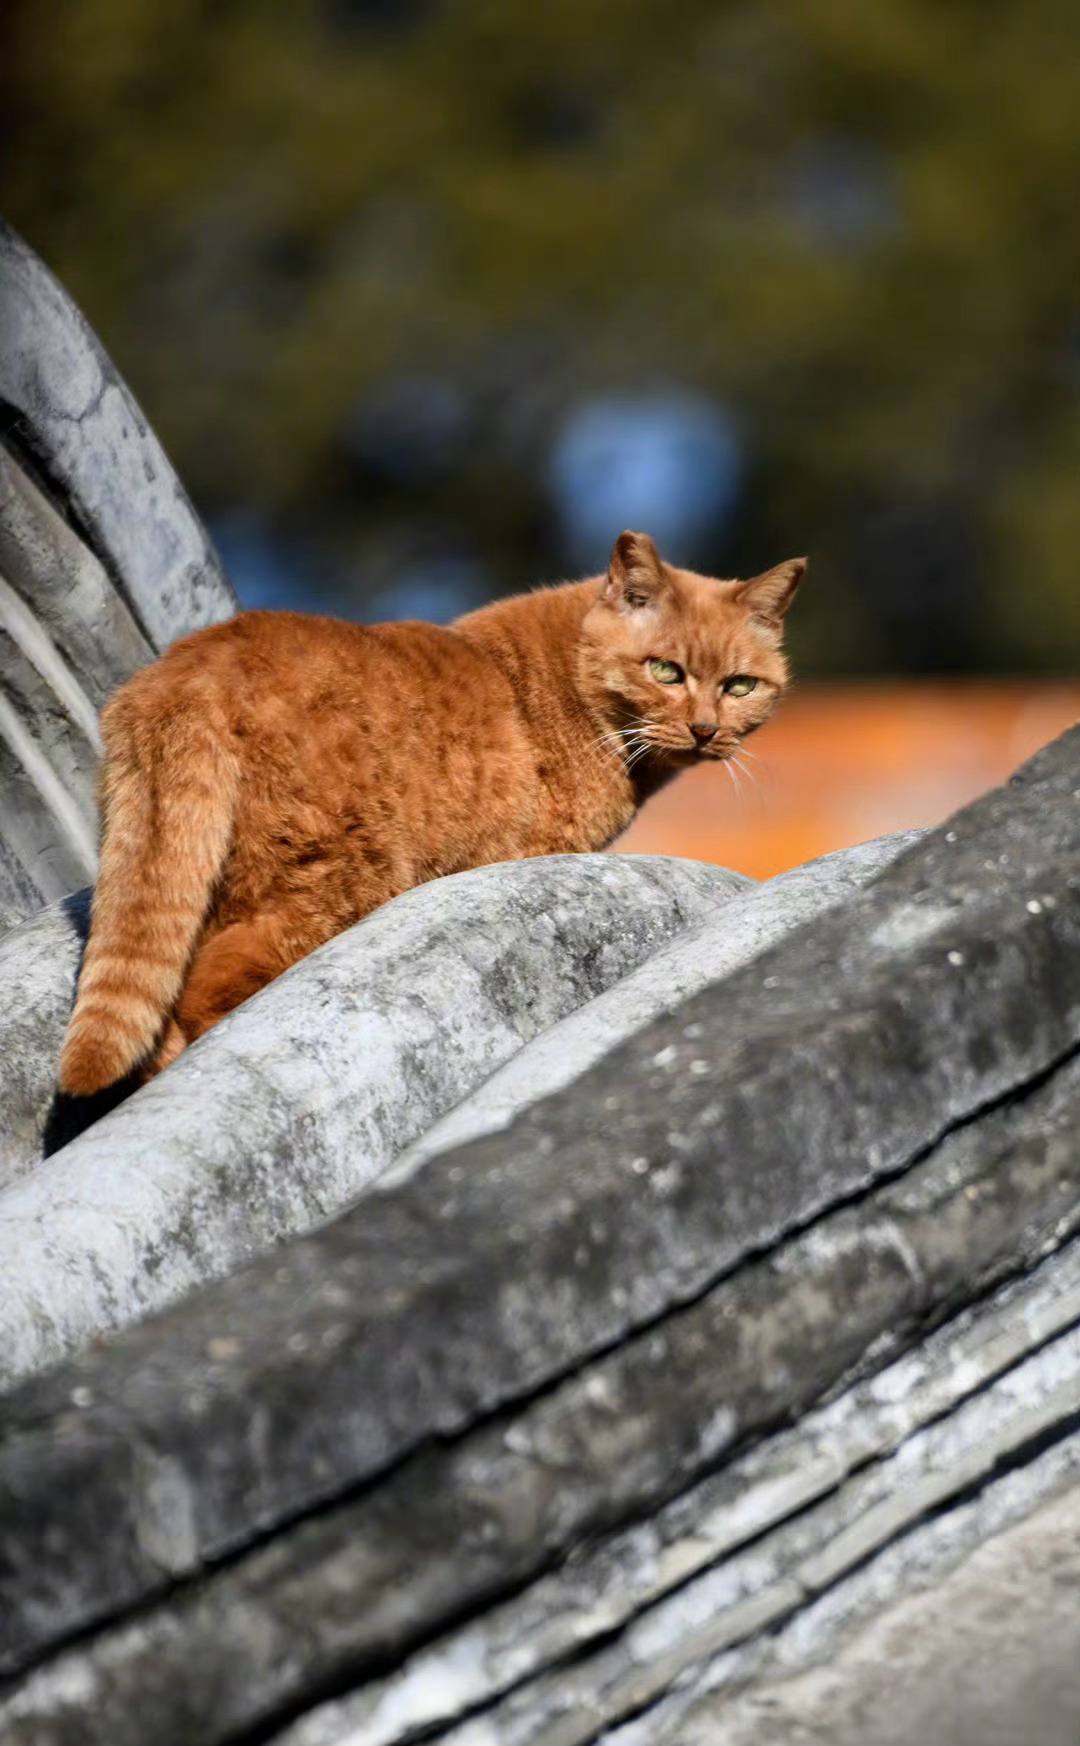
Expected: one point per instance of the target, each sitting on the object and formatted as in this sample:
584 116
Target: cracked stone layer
693 1597
984 1654
951 981
69 414
701 955
450 1530
941 1597
298 1100
581 1645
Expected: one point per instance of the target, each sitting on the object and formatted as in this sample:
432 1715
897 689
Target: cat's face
684 666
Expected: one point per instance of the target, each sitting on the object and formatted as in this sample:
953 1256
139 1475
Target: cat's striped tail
168 801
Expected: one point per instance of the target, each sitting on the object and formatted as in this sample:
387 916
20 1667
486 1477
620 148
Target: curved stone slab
778 1534
66 410
703 954
299 1100
71 595
459 1554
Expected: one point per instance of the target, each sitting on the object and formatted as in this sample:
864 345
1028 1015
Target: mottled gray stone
20 894
68 412
583 1643
986 1653
692 1599
44 828
72 596
1000 1537
446 1533
696 958
39 961
301 1098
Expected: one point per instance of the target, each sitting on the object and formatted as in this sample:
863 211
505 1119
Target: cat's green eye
668 672
740 686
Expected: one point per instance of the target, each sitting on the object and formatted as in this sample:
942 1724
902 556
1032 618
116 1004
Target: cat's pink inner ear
769 595
636 573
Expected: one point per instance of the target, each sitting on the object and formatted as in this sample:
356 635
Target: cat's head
685 665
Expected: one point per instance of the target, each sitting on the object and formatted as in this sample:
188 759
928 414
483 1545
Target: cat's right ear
635 575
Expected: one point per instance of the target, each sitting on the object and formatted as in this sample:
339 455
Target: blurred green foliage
852 222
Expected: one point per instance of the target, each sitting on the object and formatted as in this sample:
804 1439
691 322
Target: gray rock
85 437
500 1274
981 1652
71 595
697 957
776 1547
301 1098
437 1538
102 562
39 962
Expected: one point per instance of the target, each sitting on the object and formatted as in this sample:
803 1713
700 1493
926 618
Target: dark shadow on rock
69 1117
77 909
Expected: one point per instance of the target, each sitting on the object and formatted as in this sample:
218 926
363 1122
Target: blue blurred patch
668 464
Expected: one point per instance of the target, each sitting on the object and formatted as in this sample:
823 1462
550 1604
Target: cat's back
309 660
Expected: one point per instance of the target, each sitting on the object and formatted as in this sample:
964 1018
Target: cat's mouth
695 753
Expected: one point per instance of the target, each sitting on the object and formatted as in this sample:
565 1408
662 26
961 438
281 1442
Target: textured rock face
39 962
695 958
71 416
300 1099
363 1462
102 562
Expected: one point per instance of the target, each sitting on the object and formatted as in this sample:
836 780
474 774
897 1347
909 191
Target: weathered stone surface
498 1269
20 894
440 1537
297 1101
697 1599
928 1562
987 1654
72 597
38 965
695 958
45 832
66 411
39 961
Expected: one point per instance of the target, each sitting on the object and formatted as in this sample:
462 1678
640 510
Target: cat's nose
703 730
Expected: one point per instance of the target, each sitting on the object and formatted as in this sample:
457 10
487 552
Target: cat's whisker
626 746
754 783
764 769
751 775
638 753
620 734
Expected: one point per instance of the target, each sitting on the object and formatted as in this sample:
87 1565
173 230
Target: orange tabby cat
271 780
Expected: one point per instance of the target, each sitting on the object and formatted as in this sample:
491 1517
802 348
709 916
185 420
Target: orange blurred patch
840 764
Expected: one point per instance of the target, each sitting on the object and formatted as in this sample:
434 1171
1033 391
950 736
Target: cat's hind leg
235 963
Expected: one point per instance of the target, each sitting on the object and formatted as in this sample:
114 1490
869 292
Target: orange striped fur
271 780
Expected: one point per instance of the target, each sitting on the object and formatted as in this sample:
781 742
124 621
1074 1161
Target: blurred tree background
428 298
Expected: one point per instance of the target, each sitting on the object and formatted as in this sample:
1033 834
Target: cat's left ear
635 575
769 595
